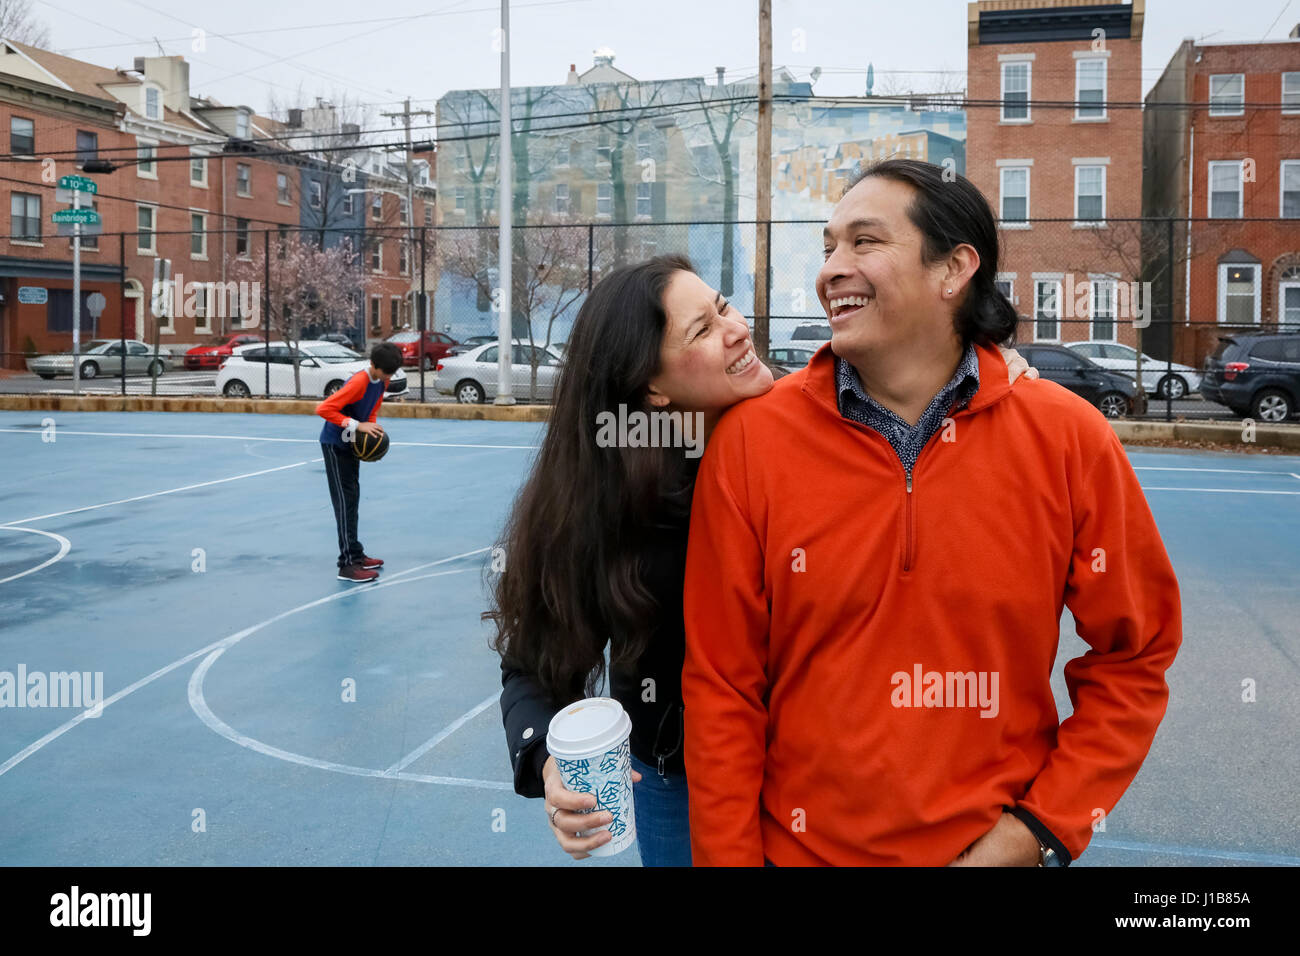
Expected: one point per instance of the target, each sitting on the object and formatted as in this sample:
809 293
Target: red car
218 350
436 345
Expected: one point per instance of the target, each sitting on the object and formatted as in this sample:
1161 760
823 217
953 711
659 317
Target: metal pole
763 207
424 308
266 301
121 261
591 253
1169 324
505 352
76 297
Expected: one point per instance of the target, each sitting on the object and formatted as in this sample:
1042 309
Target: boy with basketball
348 413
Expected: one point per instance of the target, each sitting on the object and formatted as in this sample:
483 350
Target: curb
1276 436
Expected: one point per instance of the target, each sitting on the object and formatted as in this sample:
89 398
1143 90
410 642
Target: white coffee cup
589 741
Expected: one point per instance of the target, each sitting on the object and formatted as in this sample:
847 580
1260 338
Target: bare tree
18 23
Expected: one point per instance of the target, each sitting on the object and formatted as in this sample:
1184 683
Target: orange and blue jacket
357 400
869 656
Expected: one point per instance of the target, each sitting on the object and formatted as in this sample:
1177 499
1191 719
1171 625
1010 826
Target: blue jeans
663 830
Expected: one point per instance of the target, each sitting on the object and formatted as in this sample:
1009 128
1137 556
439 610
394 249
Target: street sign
70 229
78 184
33 295
84 216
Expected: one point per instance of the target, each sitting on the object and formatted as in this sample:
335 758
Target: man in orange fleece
880 551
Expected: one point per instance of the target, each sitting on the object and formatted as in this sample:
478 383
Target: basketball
370 447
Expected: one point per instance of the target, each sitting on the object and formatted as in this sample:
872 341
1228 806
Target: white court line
1220 471
306 441
220 645
443 734
1223 491
64 547
155 494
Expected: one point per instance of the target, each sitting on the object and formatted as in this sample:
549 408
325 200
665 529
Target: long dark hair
949 211
574 567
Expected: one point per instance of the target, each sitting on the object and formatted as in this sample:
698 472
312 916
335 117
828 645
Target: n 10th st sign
87 217
78 184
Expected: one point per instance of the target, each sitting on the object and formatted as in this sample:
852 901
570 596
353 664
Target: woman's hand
1017 366
568 819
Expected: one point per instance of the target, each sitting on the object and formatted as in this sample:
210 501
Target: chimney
1295 32
721 70
172 73
572 78
295 119
351 132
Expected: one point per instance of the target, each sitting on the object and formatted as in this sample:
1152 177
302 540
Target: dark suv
1255 375
1112 392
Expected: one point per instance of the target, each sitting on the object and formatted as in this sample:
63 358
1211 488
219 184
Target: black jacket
657 729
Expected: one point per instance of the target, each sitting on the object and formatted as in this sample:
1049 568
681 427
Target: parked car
810 335
323 367
436 345
471 343
217 350
1255 375
789 359
1112 392
104 357
1158 378
472 376
352 341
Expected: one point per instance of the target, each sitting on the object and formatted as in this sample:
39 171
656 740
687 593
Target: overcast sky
382 52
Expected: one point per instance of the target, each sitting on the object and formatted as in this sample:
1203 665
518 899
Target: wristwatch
1046 855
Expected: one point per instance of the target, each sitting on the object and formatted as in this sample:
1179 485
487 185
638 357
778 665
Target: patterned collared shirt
907 440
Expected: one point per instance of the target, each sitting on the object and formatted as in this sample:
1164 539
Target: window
1008 289
644 146
1289 205
1015 91
377 206
241 238
403 211
562 199
1288 301
1291 92
22 136
562 156
347 203
1089 194
460 200
241 125
1227 94
58 313
198 170
25 212
87 146
403 257
1102 309
377 255
317 195
604 199
394 307
243 183
374 314
1238 294
1090 88
146 225
488 356
1015 194
1047 326
145 154
428 214
603 148
643 194
282 188
282 240
201 293
87 241
198 236
152 103
1225 190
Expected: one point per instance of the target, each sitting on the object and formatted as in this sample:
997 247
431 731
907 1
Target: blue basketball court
257 711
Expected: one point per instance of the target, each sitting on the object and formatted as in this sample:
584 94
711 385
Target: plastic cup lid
588 727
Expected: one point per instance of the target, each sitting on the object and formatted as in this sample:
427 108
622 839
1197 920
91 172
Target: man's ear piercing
947 291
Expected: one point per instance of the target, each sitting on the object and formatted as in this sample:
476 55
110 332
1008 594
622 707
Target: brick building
1048 138
1236 265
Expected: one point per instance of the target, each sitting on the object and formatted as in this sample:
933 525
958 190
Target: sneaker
369 562
356 574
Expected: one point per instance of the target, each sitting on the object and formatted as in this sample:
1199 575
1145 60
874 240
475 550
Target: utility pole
421 324
763 207
505 330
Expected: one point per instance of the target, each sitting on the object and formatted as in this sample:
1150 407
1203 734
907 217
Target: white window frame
317 194
403 257
609 199
241 124
561 199
146 168
203 234
377 207
1078 221
203 312
1078 89
1013 60
1003 222
1223 287
1283 284
460 201
403 211
377 252
144 103
1054 281
649 200
248 238
348 208
1010 279
562 156
376 315
25 240
428 214
248 180
202 159
1241 106
152 248
1281 186
1209 188
1093 283
1294 93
